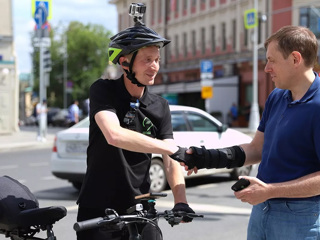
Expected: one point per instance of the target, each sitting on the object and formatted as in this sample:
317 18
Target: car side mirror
222 128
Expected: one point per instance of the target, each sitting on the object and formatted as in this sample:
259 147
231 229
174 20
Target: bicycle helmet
131 40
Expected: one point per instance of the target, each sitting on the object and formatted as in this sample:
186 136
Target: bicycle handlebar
114 221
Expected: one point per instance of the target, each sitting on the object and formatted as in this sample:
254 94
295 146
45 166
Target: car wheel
77 185
242 171
157 176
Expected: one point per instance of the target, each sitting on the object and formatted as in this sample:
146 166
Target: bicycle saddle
41 216
35 217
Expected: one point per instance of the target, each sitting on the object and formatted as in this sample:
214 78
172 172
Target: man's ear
297 58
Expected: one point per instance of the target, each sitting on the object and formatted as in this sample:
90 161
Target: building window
168 9
185 7
309 17
223 37
175 8
152 12
203 40
193 6
194 45
212 3
203 5
234 33
185 45
213 38
159 11
245 37
176 40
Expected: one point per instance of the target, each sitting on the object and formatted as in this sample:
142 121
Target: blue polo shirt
291 135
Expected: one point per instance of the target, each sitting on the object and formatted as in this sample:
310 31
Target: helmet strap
131 74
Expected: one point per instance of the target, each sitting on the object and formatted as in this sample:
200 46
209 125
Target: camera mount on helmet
136 11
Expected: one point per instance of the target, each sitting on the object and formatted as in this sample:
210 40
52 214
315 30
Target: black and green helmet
131 40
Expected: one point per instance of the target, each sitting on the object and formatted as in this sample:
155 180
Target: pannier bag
14 198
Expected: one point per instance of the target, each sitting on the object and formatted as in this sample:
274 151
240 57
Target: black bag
14 198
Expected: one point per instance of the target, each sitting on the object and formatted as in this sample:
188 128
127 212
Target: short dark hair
296 38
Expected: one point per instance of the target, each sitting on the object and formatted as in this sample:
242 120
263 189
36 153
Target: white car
191 127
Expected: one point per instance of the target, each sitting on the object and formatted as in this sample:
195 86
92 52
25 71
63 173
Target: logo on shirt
147 125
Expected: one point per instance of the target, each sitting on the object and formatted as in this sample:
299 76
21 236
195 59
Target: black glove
182 156
231 157
184 208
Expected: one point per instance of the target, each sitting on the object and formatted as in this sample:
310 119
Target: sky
63 12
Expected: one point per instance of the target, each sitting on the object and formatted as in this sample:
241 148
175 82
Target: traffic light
47 61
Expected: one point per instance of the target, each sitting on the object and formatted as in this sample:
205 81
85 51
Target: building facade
215 30
9 84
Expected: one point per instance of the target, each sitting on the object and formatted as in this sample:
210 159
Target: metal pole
42 123
254 114
65 70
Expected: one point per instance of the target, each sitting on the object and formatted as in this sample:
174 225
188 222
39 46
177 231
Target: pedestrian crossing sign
46 3
250 18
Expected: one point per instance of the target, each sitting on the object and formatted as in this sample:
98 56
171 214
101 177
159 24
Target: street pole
42 120
254 113
41 16
65 70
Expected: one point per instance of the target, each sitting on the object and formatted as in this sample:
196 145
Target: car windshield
178 122
189 121
200 123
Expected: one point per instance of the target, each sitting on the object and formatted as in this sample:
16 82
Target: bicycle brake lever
171 218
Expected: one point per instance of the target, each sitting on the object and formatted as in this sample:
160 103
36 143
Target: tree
87 59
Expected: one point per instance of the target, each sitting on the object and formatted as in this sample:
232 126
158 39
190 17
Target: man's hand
183 157
184 207
255 193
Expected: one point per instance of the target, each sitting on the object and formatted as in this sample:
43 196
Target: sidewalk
26 138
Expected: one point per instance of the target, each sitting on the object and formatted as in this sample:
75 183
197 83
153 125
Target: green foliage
87 59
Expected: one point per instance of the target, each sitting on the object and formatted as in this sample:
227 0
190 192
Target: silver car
191 127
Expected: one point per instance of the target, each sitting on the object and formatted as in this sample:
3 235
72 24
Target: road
224 216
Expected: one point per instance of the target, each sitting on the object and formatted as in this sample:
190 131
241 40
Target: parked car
61 118
191 127
52 112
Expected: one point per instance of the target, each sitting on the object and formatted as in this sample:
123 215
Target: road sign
44 42
206 92
250 18
206 69
40 15
47 4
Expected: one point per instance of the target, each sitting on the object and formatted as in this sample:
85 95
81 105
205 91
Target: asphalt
26 138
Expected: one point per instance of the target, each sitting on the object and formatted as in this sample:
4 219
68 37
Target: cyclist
127 123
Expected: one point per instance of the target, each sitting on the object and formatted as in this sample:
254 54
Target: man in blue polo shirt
286 192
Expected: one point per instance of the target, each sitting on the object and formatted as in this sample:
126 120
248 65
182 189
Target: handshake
199 158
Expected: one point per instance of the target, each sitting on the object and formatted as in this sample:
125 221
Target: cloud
85 11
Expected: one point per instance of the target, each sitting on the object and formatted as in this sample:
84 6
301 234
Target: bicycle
32 221
136 214
20 215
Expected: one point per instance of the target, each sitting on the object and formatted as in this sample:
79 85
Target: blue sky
63 11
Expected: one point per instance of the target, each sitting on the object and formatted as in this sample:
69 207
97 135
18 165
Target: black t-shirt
115 176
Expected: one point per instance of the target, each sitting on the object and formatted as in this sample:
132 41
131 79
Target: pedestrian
233 114
42 110
73 112
285 194
127 124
